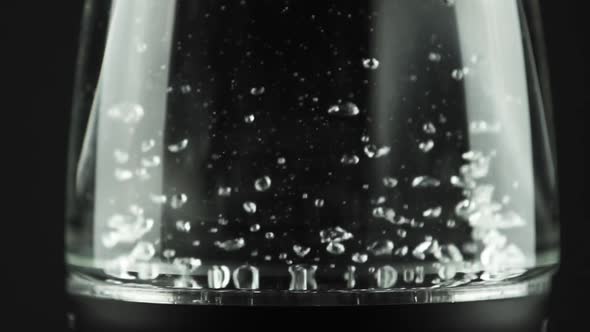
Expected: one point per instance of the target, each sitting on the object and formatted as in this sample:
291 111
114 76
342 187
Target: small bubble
365 138
390 182
123 174
120 156
222 221
402 233
335 234
178 200
451 223
196 243
169 253
255 228
349 159
372 151
177 147
183 226
425 182
231 245
300 250
432 212
426 146
249 207
429 128
269 235
143 251
281 161
224 191
186 264
249 118
401 251
147 145
346 109
360 257
434 57
257 91
371 63
158 199
141 47
379 212
152 161
262 184
458 74
335 248
319 202
381 247
126 112
185 89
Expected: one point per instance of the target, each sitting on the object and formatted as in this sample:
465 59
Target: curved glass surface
294 152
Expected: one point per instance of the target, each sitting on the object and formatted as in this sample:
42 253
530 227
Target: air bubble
231 245
425 182
371 63
349 159
249 207
177 147
300 250
224 191
390 182
257 91
129 113
381 247
335 248
178 200
249 118
263 183
426 146
360 258
345 109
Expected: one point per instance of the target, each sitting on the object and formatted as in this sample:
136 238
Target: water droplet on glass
425 182
257 91
246 277
319 202
371 63
349 159
335 234
177 147
432 212
126 112
269 235
426 146
183 226
360 258
300 250
249 207
249 118
231 245
120 156
178 200
335 248
218 276
381 247
434 57
390 182
345 109
123 174
458 74
262 184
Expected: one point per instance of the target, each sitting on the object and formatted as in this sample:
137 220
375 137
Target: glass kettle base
532 282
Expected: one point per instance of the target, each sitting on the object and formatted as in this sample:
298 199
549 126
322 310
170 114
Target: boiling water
338 161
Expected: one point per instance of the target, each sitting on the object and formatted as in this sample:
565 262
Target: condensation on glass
298 152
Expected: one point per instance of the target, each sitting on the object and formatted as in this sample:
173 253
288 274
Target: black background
41 43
